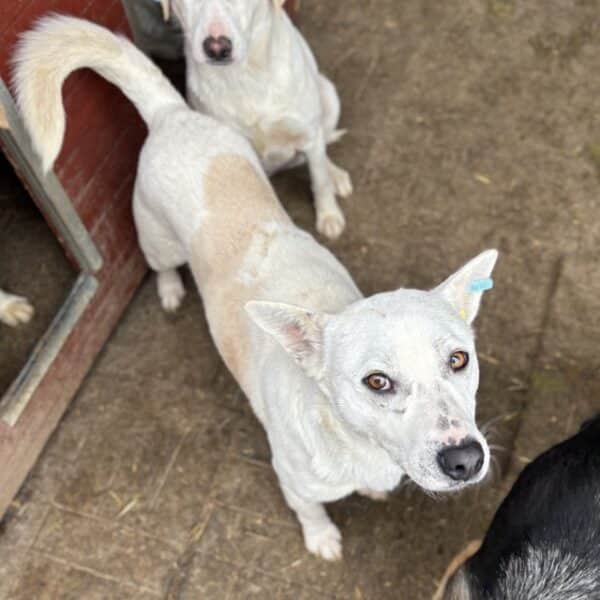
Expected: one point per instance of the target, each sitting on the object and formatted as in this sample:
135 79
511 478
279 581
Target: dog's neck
342 454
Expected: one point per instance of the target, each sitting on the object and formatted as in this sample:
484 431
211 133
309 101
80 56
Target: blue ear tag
481 285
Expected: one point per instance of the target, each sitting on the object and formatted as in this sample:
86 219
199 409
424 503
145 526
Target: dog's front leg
321 536
330 219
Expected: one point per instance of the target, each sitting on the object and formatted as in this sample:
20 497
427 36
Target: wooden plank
21 445
97 169
292 6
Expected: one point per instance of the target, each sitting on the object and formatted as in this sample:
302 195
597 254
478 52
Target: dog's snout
462 462
218 49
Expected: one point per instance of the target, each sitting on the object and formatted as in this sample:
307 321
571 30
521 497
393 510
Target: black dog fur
544 541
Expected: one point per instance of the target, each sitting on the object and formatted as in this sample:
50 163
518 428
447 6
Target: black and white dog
544 542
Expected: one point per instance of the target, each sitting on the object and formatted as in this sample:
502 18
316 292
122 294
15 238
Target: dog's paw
341 181
170 290
377 496
326 543
171 298
331 224
15 310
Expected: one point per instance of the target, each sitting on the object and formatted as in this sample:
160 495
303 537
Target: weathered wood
96 168
292 5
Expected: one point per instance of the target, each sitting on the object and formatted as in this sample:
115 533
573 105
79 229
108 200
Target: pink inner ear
298 342
293 333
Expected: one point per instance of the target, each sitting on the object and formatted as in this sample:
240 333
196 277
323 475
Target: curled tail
59 45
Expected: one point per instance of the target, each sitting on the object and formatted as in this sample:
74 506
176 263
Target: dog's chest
344 460
334 481
276 116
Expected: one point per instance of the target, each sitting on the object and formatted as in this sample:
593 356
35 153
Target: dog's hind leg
331 105
163 253
170 289
14 309
330 218
321 536
332 108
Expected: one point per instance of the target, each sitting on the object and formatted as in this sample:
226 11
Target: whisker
497 448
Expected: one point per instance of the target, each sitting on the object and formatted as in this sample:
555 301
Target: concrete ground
471 125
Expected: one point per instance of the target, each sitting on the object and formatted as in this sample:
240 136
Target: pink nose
218 49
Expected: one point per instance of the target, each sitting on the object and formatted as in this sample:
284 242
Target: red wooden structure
292 6
96 169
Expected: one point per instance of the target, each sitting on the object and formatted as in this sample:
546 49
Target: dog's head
220 31
400 369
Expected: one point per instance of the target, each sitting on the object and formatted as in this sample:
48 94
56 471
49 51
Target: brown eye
459 360
378 382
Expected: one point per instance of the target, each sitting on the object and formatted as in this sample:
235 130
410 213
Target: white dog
354 392
14 309
249 67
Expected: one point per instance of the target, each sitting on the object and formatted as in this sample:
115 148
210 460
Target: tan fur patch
258 56
3 118
239 203
327 421
281 136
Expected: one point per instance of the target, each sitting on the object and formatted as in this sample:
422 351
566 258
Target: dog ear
298 331
166 9
278 3
463 290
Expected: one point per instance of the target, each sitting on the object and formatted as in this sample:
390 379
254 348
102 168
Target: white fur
14 309
311 337
272 92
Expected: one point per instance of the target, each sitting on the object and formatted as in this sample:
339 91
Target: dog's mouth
220 63
426 471
431 479
440 485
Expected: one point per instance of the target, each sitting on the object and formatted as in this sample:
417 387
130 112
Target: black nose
218 49
461 462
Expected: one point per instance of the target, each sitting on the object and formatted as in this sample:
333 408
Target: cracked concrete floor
471 125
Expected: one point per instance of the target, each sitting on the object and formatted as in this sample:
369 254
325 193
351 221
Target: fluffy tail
59 45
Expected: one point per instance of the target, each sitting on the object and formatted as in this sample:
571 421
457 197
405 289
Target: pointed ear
464 289
166 9
278 3
298 331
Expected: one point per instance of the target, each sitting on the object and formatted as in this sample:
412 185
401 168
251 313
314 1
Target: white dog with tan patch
248 66
354 393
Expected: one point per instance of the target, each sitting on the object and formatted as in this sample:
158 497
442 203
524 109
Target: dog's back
544 542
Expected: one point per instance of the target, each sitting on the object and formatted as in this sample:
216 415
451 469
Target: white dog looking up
354 393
